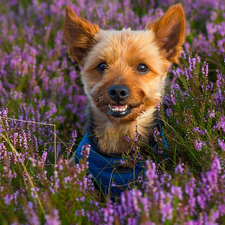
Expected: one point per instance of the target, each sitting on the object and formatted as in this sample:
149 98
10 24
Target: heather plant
194 116
44 196
42 104
66 196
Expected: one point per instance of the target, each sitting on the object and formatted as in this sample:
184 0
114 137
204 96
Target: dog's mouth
119 110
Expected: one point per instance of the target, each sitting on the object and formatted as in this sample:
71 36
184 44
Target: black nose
118 92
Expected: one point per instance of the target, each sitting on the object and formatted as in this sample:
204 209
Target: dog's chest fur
111 136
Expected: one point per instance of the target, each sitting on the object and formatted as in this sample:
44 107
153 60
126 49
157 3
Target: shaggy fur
157 47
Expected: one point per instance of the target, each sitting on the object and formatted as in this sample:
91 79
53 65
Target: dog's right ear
78 35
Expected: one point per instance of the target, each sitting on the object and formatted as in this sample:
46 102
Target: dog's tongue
118 106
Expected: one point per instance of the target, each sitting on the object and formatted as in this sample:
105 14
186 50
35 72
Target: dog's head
124 71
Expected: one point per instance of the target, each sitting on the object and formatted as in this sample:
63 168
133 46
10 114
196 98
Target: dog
123 74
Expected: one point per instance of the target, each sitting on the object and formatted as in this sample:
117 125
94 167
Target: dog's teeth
116 109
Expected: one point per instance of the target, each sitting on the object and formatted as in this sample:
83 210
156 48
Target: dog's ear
78 35
170 31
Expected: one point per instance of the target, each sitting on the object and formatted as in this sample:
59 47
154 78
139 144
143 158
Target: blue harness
108 174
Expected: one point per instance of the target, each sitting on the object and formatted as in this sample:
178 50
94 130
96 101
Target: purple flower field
42 118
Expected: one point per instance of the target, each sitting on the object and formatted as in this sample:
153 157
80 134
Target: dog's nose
118 92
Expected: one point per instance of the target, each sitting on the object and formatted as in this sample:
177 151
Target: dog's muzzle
118 93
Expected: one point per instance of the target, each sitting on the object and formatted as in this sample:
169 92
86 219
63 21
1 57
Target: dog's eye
101 67
142 68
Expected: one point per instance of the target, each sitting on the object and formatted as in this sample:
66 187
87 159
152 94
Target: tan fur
157 47
170 32
78 35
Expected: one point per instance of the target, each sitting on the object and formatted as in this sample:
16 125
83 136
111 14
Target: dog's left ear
170 32
79 35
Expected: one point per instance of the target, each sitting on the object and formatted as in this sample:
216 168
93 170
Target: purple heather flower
108 213
173 93
86 150
201 199
212 114
177 72
150 172
168 112
43 158
221 144
131 221
222 122
216 164
202 132
4 112
177 191
8 199
53 219
192 63
167 101
188 73
221 209
122 162
198 145
72 141
179 169
166 211
196 129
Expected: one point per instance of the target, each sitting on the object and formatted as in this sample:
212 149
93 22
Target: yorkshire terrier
123 73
